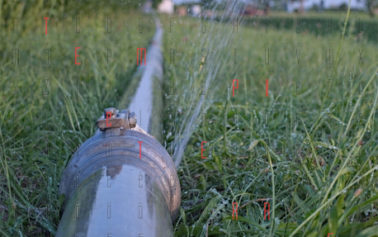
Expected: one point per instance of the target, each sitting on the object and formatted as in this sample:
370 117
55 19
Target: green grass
309 147
49 108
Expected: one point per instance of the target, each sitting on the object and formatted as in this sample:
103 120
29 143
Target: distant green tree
155 3
266 6
208 4
370 5
22 13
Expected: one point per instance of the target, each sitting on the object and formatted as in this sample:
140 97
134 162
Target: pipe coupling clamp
112 118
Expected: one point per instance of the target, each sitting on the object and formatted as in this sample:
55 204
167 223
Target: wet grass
309 148
49 105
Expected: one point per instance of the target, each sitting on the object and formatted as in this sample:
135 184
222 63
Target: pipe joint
125 167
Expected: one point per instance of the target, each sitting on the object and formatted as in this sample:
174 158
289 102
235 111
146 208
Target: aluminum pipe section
120 182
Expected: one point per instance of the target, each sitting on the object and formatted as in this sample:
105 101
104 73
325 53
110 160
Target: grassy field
49 105
308 148
357 28
325 14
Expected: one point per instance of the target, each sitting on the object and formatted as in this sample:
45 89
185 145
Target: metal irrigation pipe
121 181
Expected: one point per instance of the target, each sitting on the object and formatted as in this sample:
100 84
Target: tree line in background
371 5
266 5
23 14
